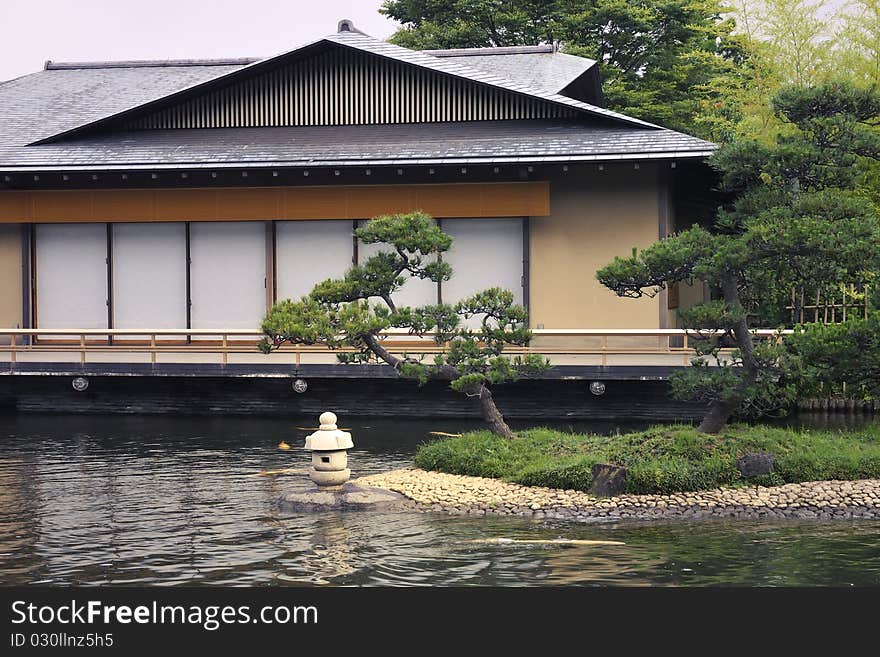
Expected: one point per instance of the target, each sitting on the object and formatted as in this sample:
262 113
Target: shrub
662 459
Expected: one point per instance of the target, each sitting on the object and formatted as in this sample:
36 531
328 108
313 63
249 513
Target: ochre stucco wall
10 276
592 219
688 295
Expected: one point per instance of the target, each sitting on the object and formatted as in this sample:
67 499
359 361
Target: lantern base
329 478
349 497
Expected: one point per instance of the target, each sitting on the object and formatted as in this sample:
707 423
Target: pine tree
344 313
797 218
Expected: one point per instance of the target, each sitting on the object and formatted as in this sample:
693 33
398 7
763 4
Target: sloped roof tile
68 96
488 142
541 68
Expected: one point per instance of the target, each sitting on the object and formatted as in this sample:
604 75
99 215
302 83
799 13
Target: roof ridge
493 50
365 43
150 63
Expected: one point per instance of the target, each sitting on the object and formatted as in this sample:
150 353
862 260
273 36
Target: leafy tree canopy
797 218
819 358
658 57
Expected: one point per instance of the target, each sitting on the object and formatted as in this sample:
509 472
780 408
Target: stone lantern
329 447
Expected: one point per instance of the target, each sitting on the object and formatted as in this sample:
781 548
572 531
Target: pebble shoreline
464 495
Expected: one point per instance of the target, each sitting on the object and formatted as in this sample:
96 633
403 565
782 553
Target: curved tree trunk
716 419
492 415
489 410
722 410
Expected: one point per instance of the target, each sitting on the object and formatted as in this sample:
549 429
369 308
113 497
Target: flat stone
349 497
608 480
755 464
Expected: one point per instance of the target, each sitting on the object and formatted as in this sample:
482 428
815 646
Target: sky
98 30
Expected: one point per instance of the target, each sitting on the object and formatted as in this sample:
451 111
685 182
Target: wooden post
225 347
82 348
12 347
604 350
684 357
153 348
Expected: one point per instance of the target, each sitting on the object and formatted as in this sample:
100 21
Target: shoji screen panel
485 253
71 269
149 276
308 252
228 274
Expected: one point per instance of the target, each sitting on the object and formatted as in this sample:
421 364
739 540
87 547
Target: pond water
175 500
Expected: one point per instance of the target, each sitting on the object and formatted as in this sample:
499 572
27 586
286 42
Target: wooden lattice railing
218 344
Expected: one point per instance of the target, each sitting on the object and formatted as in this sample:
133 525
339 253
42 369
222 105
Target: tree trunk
380 351
491 414
489 410
716 419
720 411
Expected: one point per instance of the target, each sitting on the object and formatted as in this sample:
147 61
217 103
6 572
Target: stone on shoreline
608 480
460 494
755 464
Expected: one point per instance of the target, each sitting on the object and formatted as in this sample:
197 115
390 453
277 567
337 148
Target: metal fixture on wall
300 386
597 388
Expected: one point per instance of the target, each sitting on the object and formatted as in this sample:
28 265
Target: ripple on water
147 500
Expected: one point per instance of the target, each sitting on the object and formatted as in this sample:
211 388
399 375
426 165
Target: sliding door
71 272
485 253
149 276
228 274
308 252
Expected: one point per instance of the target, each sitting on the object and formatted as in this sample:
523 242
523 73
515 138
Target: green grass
662 459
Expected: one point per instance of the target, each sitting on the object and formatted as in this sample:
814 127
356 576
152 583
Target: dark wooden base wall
203 395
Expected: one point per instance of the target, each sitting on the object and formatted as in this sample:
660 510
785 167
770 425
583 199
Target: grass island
672 472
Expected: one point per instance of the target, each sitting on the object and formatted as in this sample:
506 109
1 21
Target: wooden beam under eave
502 199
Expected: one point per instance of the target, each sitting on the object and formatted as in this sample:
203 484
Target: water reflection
134 500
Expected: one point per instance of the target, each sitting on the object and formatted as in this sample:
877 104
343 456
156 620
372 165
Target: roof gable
335 85
266 93
51 102
451 67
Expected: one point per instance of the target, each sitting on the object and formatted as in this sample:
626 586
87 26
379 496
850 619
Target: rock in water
349 497
608 480
755 464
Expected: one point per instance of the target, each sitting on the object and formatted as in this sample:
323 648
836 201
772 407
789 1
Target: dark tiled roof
152 63
541 67
76 105
42 104
375 145
69 96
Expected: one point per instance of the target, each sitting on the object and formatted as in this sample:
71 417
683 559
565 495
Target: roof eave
347 163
